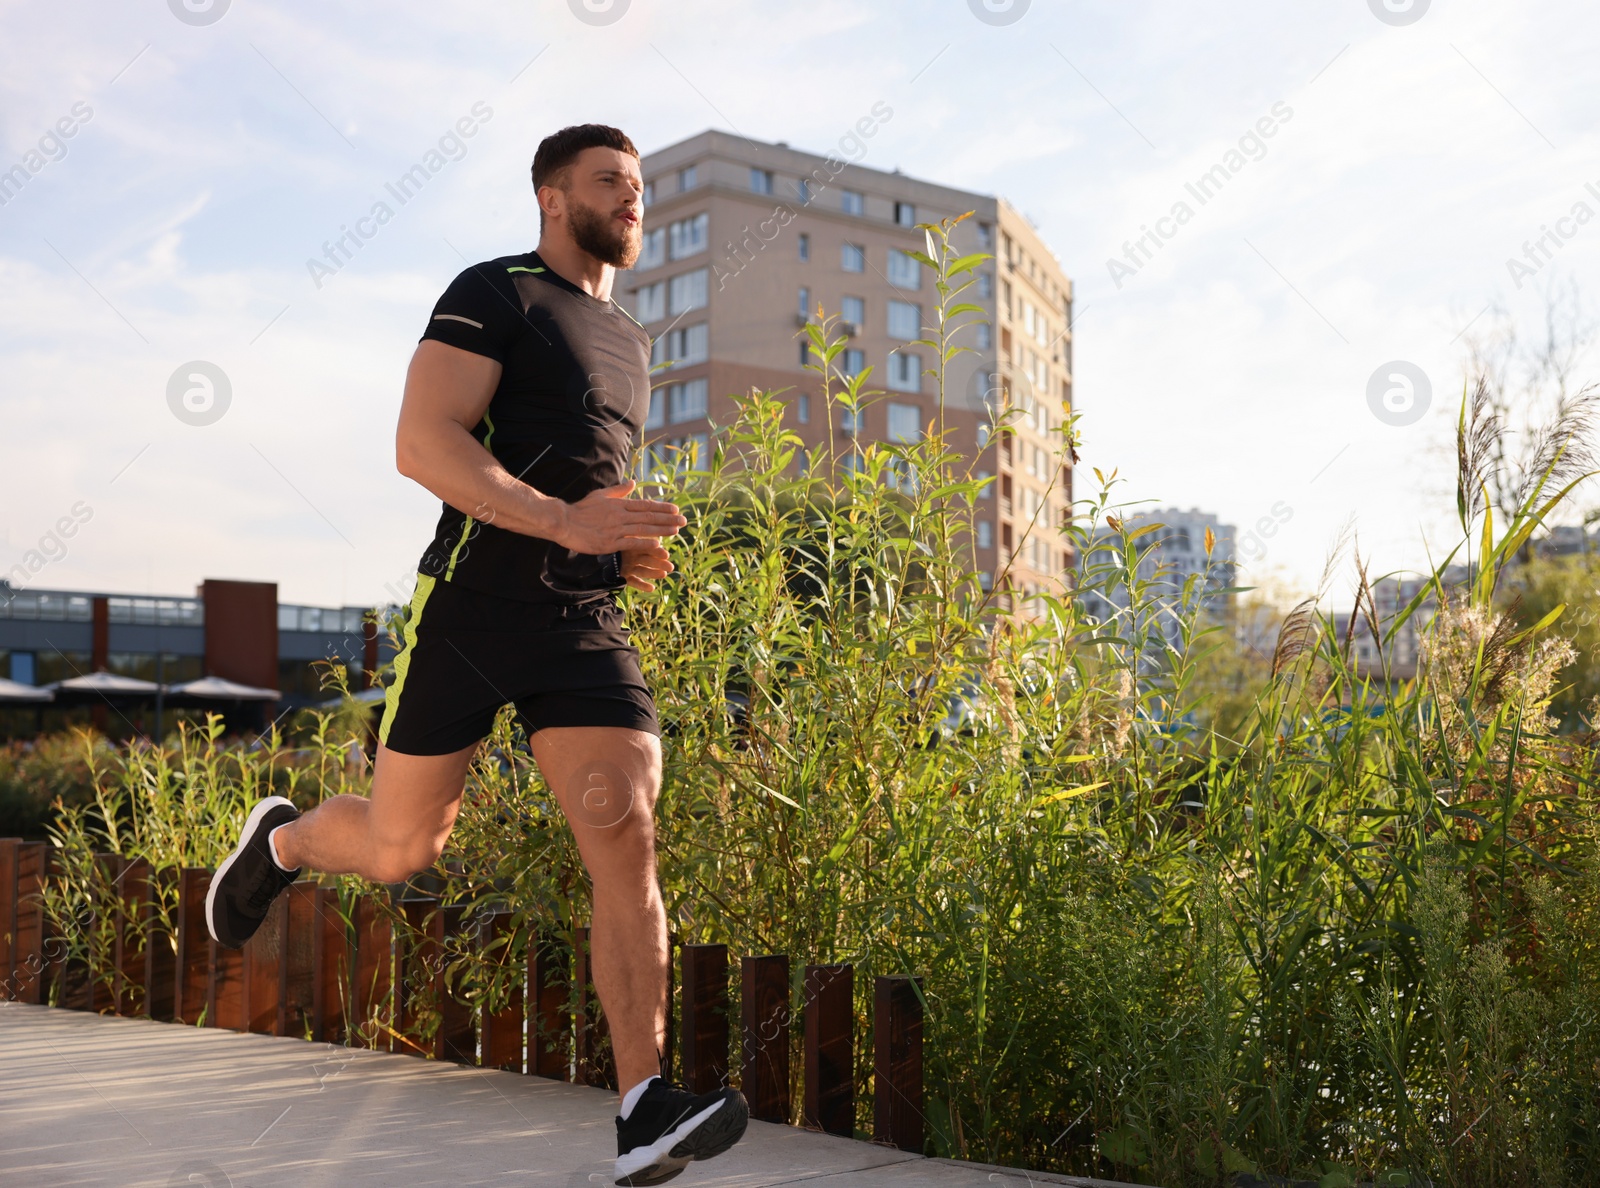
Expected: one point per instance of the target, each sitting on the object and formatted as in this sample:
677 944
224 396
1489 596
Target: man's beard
605 240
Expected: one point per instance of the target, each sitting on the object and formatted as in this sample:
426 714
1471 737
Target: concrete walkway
96 1100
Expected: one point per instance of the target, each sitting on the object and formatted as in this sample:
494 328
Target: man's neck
570 262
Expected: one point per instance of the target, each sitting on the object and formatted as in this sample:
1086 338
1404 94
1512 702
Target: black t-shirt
573 396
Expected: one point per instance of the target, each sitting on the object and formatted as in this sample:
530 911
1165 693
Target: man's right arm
447 392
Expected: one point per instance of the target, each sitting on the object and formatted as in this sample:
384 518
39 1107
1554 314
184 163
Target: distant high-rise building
1568 540
1172 555
745 240
1400 651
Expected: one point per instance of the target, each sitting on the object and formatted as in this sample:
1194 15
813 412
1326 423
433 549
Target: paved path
95 1100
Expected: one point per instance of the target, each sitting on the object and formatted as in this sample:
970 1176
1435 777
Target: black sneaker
669 1128
249 880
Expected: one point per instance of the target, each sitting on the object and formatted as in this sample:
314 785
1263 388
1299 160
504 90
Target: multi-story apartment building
1401 651
744 241
1568 540
1171 556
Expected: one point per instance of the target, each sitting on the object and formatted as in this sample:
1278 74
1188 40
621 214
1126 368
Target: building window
805 246
985 285
986 236
905 373
686 401
688 236
802 409
904 422
805 352
905 214
805 302
900 474
649 194
697 448
853 310
853 257
987 490
852 202
680 347
651 305
985 534
144 611
905 321
802 190
904 271
654 252
853 420
687 292
688 178
1035 323
657 416
985 580
985 337
760 181
983 434
855 362
690 451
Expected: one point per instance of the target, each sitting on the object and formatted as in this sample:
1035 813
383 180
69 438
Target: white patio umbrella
213 688
16 691
106 684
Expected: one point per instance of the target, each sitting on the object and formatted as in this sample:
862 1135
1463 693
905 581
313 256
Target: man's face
602 202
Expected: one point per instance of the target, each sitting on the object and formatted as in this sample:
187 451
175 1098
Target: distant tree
1530 410
1535 589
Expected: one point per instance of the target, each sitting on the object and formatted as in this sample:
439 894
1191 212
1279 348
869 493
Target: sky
179 389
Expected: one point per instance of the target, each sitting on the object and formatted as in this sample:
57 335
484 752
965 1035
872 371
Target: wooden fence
343 973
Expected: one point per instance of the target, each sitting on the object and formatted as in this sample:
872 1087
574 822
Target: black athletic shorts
467 653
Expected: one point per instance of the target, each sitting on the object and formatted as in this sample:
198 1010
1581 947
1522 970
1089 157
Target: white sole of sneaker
251 823
657 1156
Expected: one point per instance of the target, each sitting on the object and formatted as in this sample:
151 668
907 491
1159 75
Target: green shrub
36 773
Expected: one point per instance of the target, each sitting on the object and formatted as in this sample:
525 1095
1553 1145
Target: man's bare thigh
602 776
415 796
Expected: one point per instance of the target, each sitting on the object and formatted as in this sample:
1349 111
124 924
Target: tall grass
1351 935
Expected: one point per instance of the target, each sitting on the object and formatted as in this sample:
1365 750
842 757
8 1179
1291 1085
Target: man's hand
607 521
645 566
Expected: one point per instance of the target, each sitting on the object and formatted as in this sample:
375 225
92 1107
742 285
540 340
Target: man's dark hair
560 149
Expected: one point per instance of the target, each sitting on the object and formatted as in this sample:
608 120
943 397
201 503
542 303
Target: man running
521 407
